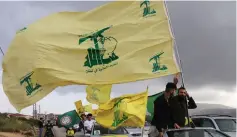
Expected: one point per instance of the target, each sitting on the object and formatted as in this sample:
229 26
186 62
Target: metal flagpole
1 50
176 49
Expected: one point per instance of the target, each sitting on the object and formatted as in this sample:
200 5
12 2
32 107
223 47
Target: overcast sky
205 34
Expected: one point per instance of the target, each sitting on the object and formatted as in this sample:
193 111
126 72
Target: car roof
213 116
189 128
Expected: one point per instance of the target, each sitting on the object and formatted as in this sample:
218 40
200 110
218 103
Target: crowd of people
170 110
85 125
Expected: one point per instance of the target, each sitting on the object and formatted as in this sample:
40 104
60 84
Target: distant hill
217 109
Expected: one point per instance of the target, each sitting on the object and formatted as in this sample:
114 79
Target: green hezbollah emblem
96 55
147 10
156 65
21 30
30 88
119 116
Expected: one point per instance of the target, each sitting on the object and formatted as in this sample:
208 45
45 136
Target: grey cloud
204 32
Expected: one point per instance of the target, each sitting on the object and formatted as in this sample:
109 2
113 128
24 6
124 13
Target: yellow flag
79 107
127 110
88 108
106 45
98 94
94 112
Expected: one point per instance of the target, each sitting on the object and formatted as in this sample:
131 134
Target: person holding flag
162 114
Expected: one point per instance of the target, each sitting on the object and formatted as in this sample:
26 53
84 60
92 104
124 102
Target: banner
127 110
106 45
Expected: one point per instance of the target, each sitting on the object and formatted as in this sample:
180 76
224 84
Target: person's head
182 93
83 116
89 116
41 118
48 121
170 88
70 128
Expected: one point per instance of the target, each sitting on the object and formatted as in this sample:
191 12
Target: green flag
68 119
150 105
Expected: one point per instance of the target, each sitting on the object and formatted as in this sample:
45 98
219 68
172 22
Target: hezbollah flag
68 119
98 94
88 108
105 45
79 107
127 110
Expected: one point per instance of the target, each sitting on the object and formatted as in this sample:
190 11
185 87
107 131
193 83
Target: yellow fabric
106 45
79 107
98 94
186 121
94 112
70 132
88 108
127 110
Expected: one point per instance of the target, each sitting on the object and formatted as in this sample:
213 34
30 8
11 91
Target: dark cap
83 115
171 85
89 115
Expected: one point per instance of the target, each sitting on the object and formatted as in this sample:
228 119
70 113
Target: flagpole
176 49
1 50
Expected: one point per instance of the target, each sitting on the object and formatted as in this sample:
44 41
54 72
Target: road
61 132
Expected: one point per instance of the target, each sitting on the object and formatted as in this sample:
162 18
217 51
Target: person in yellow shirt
70 132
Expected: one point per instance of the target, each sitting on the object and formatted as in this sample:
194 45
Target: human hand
176 126
187 95
176 79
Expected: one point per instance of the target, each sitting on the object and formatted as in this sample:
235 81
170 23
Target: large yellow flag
127 110
98 94
106 45
79 107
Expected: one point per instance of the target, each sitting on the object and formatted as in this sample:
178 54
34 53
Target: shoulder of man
159 98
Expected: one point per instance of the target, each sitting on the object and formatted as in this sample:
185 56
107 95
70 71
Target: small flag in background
68 119
79 107
98 94
88 108
127 110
